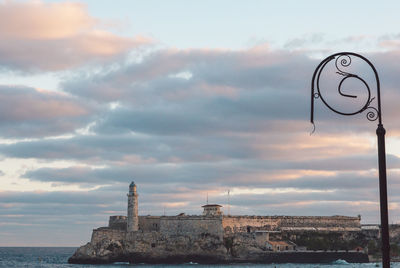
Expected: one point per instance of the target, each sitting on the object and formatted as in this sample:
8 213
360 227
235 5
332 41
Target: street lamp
372 106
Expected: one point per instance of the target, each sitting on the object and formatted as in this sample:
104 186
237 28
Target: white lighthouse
133 218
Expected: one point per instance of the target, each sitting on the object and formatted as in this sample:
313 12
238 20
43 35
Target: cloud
254 87
20 213
67 19
30 112
29 218
213 73
240 173
305 40
296 148
60 198
38 36
184 123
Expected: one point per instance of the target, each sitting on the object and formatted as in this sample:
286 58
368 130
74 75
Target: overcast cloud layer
181 123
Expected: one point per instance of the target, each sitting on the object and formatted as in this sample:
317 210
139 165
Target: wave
340 262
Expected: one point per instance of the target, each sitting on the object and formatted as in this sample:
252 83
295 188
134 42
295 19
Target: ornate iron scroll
341 61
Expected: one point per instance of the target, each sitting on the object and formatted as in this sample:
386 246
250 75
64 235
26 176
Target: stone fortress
215 222
212 236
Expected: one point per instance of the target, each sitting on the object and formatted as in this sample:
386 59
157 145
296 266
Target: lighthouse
133 218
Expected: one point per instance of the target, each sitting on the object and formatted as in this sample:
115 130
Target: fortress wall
394 230
117 222
240 223
232 224
149 223
271 223
320 221
146 223
102 233
191 225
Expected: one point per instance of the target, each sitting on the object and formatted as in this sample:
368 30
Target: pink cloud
31 112
292 146
37 20
390 43
38 104
43 36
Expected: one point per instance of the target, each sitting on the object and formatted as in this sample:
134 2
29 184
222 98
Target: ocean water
21 257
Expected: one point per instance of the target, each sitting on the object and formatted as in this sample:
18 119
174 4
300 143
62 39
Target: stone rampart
394 231
235 224
274 223
191 225
320 221
105 233
319 229
149 223
117 222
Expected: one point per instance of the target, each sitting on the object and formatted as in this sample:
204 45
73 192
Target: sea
21 257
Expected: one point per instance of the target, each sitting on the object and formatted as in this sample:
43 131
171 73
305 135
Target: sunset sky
188 99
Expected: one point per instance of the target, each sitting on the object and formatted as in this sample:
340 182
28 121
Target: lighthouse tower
133 219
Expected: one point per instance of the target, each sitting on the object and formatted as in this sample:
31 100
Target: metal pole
380 132
341 61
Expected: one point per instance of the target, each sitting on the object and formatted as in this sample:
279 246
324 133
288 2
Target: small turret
133 217
212 210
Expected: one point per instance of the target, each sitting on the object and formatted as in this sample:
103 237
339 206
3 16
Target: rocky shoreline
267 258
209 250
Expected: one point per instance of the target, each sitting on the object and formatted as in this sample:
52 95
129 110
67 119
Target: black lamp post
341 61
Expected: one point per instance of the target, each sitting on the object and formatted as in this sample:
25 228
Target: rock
157 248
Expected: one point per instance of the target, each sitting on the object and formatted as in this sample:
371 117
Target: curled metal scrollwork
345 61
342 61
372 114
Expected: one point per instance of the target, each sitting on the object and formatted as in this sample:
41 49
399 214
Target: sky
189 100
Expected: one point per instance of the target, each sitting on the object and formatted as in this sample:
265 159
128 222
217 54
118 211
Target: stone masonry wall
234 224
320 221
273 223
149 223
191 225
102 233
117 222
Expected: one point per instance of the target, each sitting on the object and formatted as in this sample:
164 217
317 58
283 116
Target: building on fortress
213 221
